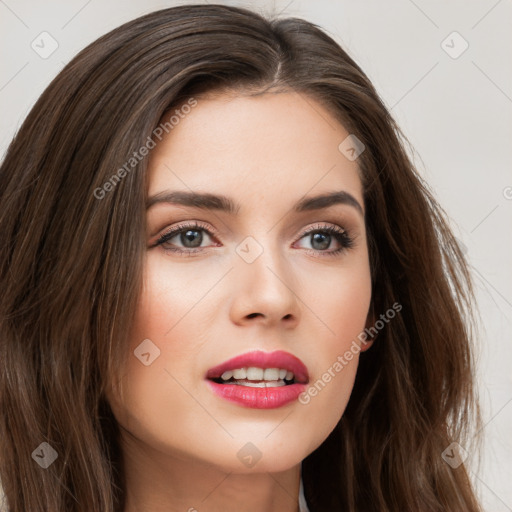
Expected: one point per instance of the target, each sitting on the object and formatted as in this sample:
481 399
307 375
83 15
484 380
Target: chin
248 454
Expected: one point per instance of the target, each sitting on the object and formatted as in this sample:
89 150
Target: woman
224 285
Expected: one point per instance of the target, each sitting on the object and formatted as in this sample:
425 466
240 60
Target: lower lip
258 398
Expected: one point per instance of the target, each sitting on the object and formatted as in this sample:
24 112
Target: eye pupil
189 236
321 238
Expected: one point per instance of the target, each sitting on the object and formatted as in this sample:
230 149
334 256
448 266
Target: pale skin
180 441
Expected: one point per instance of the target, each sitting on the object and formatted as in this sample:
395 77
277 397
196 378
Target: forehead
276 144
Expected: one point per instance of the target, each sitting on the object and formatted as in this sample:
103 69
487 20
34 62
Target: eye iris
321 238
189 236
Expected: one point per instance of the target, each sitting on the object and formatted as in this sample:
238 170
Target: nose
265 291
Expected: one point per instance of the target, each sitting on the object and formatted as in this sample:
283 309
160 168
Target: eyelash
341 235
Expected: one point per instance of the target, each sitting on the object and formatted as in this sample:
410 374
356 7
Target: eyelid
180 226
319 226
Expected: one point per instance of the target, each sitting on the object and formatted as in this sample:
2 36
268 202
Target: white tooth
282 374
227 375
239 373
250 384
254 373
275 384
271 374
262 384
289 375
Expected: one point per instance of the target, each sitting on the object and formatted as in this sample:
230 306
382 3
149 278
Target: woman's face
264 277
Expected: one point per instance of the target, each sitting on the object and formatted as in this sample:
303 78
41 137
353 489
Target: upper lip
257 358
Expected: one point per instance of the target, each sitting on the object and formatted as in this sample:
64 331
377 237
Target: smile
259 379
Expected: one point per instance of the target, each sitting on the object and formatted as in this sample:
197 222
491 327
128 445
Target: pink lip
260 359
260 398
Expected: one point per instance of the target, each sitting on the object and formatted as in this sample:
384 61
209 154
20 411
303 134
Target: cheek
156 404
171 310
151 377
341 306
339 300
169 293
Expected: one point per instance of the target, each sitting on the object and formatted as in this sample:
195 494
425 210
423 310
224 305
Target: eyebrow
207 201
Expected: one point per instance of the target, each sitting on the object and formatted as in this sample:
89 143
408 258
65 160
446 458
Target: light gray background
456 113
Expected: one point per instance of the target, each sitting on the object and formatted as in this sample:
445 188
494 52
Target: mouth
259 379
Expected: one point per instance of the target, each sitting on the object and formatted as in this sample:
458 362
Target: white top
303 507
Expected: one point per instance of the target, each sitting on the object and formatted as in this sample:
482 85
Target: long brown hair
71 269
